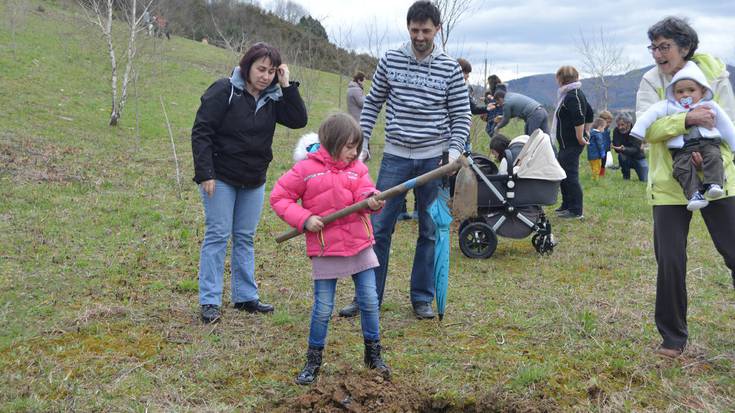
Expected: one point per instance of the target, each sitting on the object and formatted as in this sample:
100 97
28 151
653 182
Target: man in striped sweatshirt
427 112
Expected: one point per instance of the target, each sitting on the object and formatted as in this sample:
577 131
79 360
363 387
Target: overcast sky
527 37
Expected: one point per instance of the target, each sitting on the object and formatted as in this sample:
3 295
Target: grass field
99 257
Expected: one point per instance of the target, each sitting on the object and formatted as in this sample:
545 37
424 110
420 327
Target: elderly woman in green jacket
673 43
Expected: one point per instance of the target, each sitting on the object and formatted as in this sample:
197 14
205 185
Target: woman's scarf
560 94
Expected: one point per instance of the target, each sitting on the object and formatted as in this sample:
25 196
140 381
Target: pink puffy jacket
326 186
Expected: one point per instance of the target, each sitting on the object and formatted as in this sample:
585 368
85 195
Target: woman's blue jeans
367 300
235 212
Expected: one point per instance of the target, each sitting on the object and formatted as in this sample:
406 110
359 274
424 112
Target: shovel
387 194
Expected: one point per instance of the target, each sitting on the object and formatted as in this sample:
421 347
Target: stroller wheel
477 240
543 243
466 222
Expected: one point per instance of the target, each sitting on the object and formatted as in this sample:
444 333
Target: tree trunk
131 56
114 111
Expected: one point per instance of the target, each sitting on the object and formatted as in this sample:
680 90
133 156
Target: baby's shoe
697 202
714 191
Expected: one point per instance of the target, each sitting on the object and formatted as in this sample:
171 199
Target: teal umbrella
442 217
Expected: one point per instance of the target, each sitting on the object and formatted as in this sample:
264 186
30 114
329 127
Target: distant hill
621 92
242 24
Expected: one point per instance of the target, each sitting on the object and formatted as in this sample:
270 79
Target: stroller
510 205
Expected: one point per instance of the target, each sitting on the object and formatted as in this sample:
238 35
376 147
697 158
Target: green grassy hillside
99 258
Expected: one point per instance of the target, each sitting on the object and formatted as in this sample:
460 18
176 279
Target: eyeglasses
663 48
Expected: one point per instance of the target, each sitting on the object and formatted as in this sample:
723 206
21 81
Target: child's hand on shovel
314 224
373 203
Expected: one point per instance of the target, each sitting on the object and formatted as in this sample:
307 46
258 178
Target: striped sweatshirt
427 107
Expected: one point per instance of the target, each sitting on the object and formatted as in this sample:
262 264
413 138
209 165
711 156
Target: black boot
311 369
350 310
373 359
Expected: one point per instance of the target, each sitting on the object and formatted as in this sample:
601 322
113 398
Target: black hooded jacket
231 141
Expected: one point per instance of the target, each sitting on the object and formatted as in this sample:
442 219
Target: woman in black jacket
231 144
571 115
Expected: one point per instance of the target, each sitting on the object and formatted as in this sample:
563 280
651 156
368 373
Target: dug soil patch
28 160
367 392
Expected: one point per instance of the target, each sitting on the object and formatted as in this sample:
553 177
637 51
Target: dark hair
256 52
679 31
422 11
499 94
339 130
358 77
492 82
499 143
465 65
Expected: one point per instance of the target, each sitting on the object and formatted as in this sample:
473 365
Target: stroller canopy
537 159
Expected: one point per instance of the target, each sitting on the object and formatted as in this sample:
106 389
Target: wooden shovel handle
387 194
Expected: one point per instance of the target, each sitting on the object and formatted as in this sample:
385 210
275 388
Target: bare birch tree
452 12
100 14
602 58
288 10
376 38
235 42
343 39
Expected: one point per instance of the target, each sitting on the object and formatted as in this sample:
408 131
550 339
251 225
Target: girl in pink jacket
329 179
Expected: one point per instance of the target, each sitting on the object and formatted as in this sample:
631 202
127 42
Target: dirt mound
357 392
367 392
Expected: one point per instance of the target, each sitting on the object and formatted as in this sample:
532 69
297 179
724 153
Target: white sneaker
714 191
697 202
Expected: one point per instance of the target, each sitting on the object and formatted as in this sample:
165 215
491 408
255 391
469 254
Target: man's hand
314 224
365 154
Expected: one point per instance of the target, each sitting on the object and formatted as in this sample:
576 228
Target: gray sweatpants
538 119
686 173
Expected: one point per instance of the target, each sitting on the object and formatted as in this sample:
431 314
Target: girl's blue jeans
367 300
230 212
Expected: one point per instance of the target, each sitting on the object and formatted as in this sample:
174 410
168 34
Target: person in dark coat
629 149
231 145
568 127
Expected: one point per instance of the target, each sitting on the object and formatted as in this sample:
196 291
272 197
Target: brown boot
671 353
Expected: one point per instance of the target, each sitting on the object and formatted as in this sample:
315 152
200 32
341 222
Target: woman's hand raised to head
701 116
283 75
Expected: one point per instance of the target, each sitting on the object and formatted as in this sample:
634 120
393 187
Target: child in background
688 90
329 179
595 149
493 111
608 118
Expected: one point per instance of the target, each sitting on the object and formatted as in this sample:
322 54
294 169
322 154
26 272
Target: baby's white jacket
724 128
